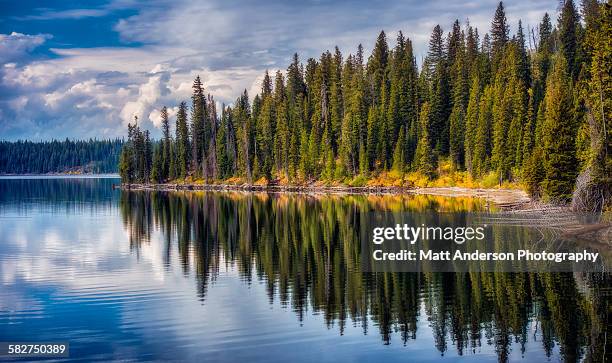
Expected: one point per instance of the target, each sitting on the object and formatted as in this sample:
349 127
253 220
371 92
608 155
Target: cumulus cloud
155 116
148 96
15 46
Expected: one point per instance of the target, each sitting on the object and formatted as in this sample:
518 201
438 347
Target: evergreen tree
329 164
295 80
222 146
524 62
313 155
266 85
456 43
439 110
457 122
377 67
126 167
471 47
424 158
199 129
600 102
244 137
372 136
398 152
282 137
305 162
265 136
528 138
156 172
486 46
471 124
167 140
534 174
483 145
148 156
363 160
183 146
569 28
545 34
336 100
436 53
499 35
559 152
172 165
210 162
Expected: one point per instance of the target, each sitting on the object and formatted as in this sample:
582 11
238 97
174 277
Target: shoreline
59 175
503 198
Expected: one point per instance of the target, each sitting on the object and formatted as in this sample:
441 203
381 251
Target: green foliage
559 136
156 171
167 159
264 136
499 34
569 29
183 148
424 158
200 130
126 170
484 130
471 125
533 173
599 99
398 153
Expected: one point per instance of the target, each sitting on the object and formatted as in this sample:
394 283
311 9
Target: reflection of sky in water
68 274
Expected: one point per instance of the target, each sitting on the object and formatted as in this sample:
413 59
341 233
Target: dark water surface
237 277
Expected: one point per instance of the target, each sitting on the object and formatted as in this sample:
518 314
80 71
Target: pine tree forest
530 109
55 156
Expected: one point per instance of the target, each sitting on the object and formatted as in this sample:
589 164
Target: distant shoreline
51 175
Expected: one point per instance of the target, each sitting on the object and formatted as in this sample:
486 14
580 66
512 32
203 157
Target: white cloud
155 116
15 46
149 94
66 14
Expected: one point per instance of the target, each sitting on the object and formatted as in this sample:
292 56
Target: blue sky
82 69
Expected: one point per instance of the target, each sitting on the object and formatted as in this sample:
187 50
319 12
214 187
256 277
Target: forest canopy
531 107
90 156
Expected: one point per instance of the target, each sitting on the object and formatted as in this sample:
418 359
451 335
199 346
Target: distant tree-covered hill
90 156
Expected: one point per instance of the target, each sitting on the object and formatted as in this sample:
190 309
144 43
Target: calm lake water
234 277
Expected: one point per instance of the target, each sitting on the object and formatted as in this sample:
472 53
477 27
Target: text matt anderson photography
306 181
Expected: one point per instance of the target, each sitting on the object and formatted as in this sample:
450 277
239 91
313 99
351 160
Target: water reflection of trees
306 250
57 195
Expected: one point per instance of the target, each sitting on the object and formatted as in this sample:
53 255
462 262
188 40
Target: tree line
85 156
533 107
